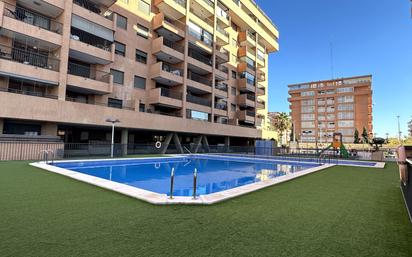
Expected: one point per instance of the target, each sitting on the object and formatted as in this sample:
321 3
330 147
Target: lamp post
113 121
399 129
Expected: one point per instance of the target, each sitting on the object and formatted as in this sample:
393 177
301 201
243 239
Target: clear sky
368 37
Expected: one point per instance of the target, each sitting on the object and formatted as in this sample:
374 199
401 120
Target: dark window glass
233 107
141 107
234 74
233 91
115 103
139 82
120 48
142 31
141 56
118 76
121 21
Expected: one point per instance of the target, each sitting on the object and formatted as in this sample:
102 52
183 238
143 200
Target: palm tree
281 123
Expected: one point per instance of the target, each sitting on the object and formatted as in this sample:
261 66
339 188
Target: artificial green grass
336 212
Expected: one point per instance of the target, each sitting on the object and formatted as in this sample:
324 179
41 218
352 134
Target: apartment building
322 108
188 67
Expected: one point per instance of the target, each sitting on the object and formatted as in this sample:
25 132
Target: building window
139 82
115 103
144 7
120 49
118 76
234 74
121 22
233 107
233 90
141 107
142 31
196 115
141 56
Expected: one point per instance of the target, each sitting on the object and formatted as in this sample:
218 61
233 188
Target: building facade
191 67
322 108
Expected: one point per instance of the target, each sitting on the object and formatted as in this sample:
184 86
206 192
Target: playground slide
343 152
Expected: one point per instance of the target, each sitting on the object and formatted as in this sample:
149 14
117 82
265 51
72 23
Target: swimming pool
219 177
213 175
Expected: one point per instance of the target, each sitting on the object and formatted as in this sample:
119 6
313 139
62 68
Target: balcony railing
200 57
181 2
173 45
28 92
222 13
175 23
224 32
221 86
29 58
90 39
32 18
175 71
221 106
250 97
251 35
222 68
170 94
209 2
89 5
200 79
86 72
82 101
250 113
198 100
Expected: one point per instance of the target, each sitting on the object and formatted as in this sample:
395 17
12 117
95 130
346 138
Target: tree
365 135
356 137
410 127
281 123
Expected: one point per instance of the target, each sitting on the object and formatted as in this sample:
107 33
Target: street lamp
113 121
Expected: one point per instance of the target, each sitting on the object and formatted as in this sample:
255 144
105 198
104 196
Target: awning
92 28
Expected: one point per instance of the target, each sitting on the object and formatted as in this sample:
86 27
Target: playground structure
337 146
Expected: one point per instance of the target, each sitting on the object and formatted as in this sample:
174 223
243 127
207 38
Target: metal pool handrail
194 183
172 179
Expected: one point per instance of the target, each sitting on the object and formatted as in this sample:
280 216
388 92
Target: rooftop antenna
331 60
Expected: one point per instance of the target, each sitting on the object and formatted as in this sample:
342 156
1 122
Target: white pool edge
162 199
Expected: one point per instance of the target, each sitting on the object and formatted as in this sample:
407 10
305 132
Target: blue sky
368 37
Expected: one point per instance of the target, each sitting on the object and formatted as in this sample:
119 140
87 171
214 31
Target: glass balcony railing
250 97
173 45
200 57
200 79
198 100
90 39
165 92
175 71
250 113
221 86
38 59
86 72
34 91
181 2
89 5
32 18
221 106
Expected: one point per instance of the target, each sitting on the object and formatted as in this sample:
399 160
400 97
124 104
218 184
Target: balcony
89 80
90 48
221 73
203 8
27 22
222 55
261 62
173 30
28 87
221 89
199 63
200 41
166 98
198 100
246 85
246 38
260 104
95 6
98 16
48 8
261 90
222 37
246 52
172 8
261 76
167 51
223 16
246 100
221 108
200 83
243 66
166 74
246 116
29 65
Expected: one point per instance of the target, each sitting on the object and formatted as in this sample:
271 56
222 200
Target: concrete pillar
227 144
124 141
1 126
166 143
49 129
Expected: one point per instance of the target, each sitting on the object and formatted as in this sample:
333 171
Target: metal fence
21 150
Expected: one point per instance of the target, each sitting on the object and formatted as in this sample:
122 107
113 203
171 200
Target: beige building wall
57 105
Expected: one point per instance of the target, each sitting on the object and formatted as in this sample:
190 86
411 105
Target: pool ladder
172 179
46 154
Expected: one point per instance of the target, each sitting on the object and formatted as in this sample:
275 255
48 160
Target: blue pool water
214 174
